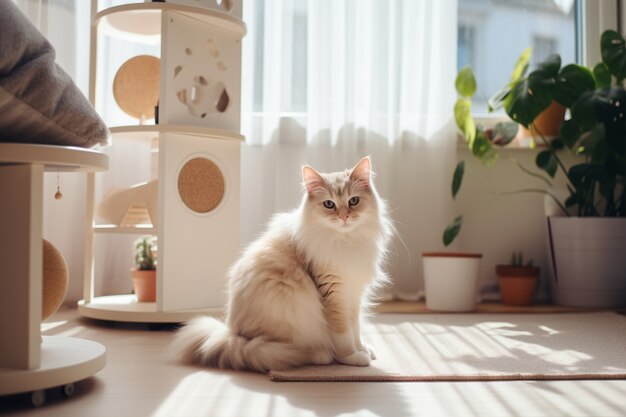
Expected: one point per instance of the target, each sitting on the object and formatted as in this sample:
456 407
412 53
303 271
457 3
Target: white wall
495 224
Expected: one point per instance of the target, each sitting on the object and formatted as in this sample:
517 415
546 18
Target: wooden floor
141 378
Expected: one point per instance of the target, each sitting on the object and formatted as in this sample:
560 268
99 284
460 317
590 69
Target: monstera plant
595 128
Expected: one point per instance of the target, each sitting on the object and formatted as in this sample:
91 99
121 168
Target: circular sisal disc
136 86
54 280
200 185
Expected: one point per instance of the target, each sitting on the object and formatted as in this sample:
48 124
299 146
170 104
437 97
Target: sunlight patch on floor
52 324
216 393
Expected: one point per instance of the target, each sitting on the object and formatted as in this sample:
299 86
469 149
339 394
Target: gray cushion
39 102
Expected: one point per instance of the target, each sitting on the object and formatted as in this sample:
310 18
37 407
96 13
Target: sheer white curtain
327 82
324 82
66 25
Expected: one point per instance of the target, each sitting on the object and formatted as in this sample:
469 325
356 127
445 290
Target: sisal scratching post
54 280
201 185
136 86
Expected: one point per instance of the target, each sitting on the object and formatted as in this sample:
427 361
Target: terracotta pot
548 123
451 280
144 283
517 283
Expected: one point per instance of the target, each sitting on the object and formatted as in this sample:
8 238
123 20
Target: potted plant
144 273
586 244
451 278
517 280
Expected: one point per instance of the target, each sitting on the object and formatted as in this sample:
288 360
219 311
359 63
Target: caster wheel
68 390
38 398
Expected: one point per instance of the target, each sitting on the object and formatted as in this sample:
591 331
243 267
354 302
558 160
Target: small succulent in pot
144 275
518 280
146 253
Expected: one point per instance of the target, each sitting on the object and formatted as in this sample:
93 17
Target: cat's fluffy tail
208 341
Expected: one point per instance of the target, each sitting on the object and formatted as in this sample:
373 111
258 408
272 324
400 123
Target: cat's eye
329 204
353 201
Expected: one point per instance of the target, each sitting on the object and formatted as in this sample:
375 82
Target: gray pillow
39 102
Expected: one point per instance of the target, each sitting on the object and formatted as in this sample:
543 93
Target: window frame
594 16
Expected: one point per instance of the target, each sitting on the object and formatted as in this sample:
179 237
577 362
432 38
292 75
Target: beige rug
485 347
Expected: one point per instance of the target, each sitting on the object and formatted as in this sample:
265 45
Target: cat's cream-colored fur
297 293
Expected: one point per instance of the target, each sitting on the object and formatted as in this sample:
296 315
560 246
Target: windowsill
488 121
521 144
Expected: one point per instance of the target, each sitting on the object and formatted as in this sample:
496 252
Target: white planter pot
588 261
451 280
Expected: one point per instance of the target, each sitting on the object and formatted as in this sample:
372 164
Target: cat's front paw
358 358
368 350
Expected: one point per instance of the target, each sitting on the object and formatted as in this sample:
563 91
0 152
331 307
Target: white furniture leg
21 253
28 361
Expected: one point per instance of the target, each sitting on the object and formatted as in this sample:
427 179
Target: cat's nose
344 217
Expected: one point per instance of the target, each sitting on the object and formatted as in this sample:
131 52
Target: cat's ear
313 181
362 171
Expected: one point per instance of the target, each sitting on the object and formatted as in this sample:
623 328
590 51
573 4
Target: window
543 47
492 34
466 52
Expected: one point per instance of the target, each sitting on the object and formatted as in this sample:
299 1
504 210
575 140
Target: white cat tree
198 157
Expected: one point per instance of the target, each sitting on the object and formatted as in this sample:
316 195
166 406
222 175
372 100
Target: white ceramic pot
451 280
588 261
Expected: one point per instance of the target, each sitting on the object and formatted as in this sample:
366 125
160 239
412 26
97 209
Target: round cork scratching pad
200 185
136 86
54 279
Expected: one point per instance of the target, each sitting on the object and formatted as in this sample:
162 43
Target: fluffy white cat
297 293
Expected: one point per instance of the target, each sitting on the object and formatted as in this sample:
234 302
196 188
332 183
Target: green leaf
571 83
547 161
578 173
521 65
594 144
452 230
600 153
613 48
519 70
465 82
503 133
586 109
613 167
457 178
569 133
602 75
483 150
497 101
550 65
572 200
556 143
607 106
612 113
464 119
530 97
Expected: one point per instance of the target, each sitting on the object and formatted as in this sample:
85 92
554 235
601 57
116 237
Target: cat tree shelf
125 230
126 308
54 158
64 360
146 133
142 21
